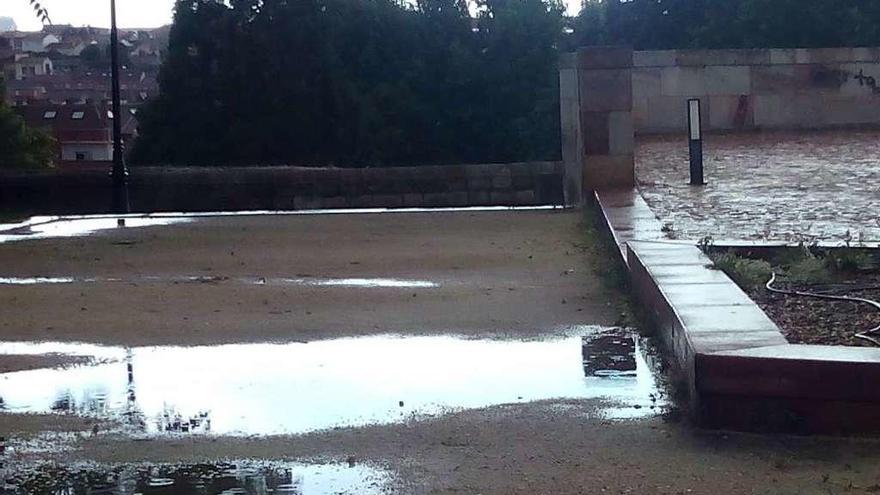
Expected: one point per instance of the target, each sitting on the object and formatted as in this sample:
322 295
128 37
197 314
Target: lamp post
120 172
695 141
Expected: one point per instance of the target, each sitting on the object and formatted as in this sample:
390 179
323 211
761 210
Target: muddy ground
556 447
522 274
518 273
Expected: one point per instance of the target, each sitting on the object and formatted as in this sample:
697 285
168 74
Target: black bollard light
120 172
695 141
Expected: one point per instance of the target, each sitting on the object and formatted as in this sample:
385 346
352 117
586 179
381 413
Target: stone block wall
596 114
155 189
757 89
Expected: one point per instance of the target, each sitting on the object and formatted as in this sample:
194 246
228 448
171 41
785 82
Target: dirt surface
552 447
25 362
520 274
509 273
808 320
25 427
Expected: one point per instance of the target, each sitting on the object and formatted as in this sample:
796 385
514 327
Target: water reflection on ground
300 387
225 479
41 227
48 227
359 283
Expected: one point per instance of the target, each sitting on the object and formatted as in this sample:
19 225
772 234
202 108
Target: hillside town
58 79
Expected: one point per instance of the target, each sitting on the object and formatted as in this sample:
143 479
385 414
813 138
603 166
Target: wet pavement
360 283
771 186
270 389
222 478
47 227
54 227
432 349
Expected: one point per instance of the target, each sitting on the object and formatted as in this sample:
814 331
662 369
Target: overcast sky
129 13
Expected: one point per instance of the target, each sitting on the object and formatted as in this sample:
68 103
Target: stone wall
757 89
286 188
596 119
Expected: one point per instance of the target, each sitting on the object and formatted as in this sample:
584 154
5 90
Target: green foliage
21 146
809 269
386 82
356 83
747 273
665 24
848 260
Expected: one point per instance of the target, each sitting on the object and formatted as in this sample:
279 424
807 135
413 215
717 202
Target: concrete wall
757 89
596 120
286 188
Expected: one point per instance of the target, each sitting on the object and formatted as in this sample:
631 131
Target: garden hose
866 335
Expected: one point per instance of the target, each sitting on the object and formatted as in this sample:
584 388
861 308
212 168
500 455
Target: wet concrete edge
739 370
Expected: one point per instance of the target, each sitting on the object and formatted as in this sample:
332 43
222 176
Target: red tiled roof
90 125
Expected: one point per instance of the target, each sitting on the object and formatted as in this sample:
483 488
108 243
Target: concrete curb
741 372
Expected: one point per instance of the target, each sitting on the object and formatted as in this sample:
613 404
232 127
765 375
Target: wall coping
547 165
759 56
598 57
741 372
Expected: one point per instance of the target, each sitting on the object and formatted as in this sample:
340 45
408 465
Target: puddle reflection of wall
610 354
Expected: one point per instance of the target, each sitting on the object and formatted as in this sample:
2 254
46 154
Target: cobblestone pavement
773 186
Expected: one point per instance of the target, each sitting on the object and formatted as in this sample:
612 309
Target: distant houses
23 66
54 86
83 131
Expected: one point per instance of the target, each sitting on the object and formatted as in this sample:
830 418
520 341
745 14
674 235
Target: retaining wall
286 188
740 371
757 89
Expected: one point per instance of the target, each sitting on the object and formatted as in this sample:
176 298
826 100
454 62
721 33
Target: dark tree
22 146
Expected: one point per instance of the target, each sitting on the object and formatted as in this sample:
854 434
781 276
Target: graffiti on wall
868 81
836 78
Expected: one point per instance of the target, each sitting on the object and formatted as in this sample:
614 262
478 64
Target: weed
848 260
747 273
809 270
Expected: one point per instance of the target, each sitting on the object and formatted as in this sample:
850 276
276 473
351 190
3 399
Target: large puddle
222 479
293 388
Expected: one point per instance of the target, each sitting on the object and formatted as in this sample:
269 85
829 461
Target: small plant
809 269
848 260
746 272
706 243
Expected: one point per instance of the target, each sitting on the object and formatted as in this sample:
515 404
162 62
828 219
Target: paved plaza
770 186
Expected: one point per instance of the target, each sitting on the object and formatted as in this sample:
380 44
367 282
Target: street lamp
120 172
695 141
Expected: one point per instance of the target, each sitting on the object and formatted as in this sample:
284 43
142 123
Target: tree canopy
378 82
355 82
22 146
665 24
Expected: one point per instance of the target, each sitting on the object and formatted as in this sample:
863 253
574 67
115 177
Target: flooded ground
270 389
53 227
43 227
418 353
282 278
776 186
243 478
